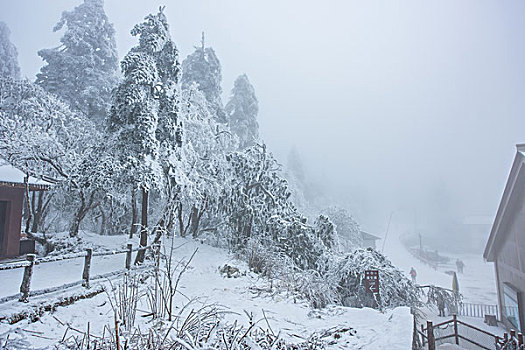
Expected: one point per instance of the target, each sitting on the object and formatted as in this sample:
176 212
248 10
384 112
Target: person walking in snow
413 274
460 265
441 305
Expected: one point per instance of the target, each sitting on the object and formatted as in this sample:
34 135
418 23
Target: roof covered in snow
11 176
368 236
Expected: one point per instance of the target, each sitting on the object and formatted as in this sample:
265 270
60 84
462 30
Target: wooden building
506 246
369 240
13 184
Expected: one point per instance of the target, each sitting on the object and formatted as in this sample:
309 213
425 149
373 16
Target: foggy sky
409 107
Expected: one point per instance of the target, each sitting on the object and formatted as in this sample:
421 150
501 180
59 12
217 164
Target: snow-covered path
57 273
477 284
204 284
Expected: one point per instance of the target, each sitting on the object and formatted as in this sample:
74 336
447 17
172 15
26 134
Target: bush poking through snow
230 271
348 273
203 329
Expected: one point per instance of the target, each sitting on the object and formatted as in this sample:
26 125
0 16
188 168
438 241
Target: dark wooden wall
15 199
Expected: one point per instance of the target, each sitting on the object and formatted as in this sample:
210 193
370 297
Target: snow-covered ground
203 283
477 283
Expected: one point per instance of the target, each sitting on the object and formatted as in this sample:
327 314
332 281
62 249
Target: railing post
87 266
26 280
423 332
128 255
430 335
456 334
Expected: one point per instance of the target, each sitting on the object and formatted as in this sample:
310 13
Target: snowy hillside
203 284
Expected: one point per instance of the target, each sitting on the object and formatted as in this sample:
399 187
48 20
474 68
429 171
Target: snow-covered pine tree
8 54
204 68
242 109
83 69
144 111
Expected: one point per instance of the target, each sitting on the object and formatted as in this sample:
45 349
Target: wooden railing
449 332
31 261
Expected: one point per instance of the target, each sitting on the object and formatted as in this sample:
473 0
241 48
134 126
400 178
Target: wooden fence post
430 335
26 280
128 256
87 266
456 334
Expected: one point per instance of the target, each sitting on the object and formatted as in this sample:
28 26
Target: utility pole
386 233
420 244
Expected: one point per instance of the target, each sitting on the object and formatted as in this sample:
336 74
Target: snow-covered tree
203 170
144 111
40 135
82 70
325 231
8 55
242 109
204 68
347 228
347 274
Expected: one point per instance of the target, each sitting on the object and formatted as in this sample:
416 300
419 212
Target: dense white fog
412 107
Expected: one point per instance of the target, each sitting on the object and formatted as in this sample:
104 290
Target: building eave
32 187
517 171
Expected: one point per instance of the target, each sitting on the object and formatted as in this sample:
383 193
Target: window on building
511 297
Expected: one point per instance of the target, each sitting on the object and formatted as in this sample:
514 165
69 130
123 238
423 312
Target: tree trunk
28 204
81 214
195 218
41 211
144 228
103 227
134 214
181 221
37 210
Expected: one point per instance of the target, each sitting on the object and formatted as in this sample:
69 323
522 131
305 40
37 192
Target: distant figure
441 305
413 274
460 265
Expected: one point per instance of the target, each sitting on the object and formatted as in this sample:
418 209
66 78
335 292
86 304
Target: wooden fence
463 334
88 255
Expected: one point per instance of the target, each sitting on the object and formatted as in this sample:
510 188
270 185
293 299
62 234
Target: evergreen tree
8 55
82 71
203 67
242 112
144 112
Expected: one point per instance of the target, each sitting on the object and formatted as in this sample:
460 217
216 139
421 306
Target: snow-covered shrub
315 288
348 275
325 230
437 295
298 241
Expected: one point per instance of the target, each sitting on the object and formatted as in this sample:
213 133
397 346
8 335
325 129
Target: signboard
372 281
